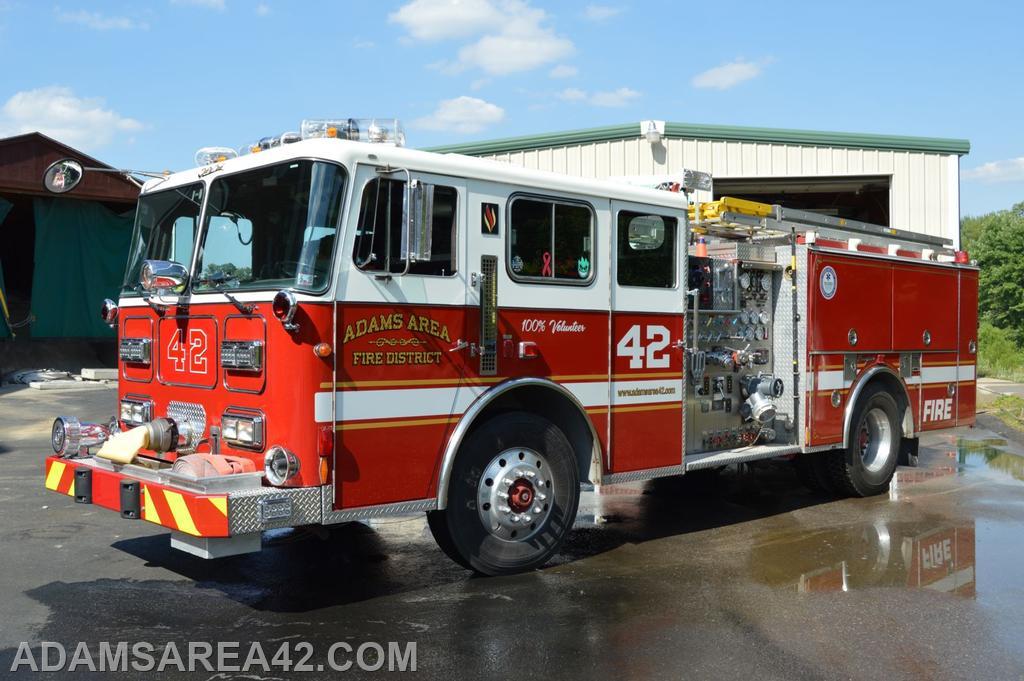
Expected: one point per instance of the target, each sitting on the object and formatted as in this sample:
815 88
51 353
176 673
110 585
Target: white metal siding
924 187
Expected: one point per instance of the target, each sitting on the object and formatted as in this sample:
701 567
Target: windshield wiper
218 280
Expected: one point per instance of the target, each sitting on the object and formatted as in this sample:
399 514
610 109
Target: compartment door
967 355
648 304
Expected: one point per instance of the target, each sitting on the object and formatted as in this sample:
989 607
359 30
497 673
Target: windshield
273 227
165 229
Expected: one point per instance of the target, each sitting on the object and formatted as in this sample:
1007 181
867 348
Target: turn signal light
322 350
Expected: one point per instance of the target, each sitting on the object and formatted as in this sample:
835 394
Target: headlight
242 429
136 412
280 465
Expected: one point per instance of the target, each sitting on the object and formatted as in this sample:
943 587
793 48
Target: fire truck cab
333 327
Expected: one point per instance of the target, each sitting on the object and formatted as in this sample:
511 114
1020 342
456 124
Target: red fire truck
333 327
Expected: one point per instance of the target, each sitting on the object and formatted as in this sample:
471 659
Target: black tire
498 444
868 463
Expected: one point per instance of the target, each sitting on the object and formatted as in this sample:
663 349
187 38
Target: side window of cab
381 232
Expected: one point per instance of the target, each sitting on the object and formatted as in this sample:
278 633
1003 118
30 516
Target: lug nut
504 509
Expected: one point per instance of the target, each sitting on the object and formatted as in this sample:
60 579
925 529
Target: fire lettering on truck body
938 410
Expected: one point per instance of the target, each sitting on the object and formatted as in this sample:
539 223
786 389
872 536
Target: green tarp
80 254
5 208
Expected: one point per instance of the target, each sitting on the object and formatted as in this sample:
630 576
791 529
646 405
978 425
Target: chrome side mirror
62 176
416 243
163 275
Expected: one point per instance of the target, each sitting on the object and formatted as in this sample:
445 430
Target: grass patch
998 355
1010 410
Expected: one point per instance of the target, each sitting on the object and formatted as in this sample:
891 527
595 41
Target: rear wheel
512 498
866 466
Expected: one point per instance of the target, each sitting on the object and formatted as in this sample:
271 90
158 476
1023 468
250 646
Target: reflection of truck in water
875 555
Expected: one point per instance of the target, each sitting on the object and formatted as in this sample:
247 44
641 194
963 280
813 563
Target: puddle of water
929 555
938 553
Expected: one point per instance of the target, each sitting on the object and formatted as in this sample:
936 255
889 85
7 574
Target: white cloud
607 98
572 94
100 22
513 37
462 114
56 111
601 12
361 44
620 97
1007 170
563 71
725 76
262 9
443 19
209 4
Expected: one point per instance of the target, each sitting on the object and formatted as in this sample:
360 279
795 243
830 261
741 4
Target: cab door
399 377
648 304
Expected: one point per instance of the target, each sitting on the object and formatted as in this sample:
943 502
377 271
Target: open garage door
861 197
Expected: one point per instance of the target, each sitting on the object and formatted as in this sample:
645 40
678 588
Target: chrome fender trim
481 403
858 388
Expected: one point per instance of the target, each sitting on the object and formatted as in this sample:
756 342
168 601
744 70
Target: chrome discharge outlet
71 437
760 390
169 435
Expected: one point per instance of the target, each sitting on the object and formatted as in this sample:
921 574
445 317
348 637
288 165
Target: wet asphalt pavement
740 574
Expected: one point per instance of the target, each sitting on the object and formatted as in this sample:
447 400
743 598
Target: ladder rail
740 219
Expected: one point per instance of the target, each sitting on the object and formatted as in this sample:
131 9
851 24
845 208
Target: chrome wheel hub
515 494
875 440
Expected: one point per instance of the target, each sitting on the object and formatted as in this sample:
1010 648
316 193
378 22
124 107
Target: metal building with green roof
905 182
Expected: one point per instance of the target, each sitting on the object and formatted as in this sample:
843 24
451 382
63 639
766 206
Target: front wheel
868 463
512 498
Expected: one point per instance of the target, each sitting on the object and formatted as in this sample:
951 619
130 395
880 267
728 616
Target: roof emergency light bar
374 130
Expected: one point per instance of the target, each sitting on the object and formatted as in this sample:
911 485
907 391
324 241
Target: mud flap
908 451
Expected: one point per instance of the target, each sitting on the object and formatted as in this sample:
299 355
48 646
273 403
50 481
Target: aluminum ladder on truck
733 218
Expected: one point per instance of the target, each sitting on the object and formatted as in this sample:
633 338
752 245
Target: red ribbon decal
546 269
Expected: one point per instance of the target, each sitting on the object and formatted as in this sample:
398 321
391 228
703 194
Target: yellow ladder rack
714 210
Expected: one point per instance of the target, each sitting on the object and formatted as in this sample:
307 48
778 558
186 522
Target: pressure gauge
748 333
762 332
745 280
764 316
766 282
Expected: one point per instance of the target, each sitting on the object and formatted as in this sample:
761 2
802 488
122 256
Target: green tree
997 240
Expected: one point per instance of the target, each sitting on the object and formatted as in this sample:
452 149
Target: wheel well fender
536 395
879 374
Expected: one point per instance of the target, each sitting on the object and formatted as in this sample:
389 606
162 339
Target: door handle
462 345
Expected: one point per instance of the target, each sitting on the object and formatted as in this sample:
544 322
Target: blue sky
144 84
